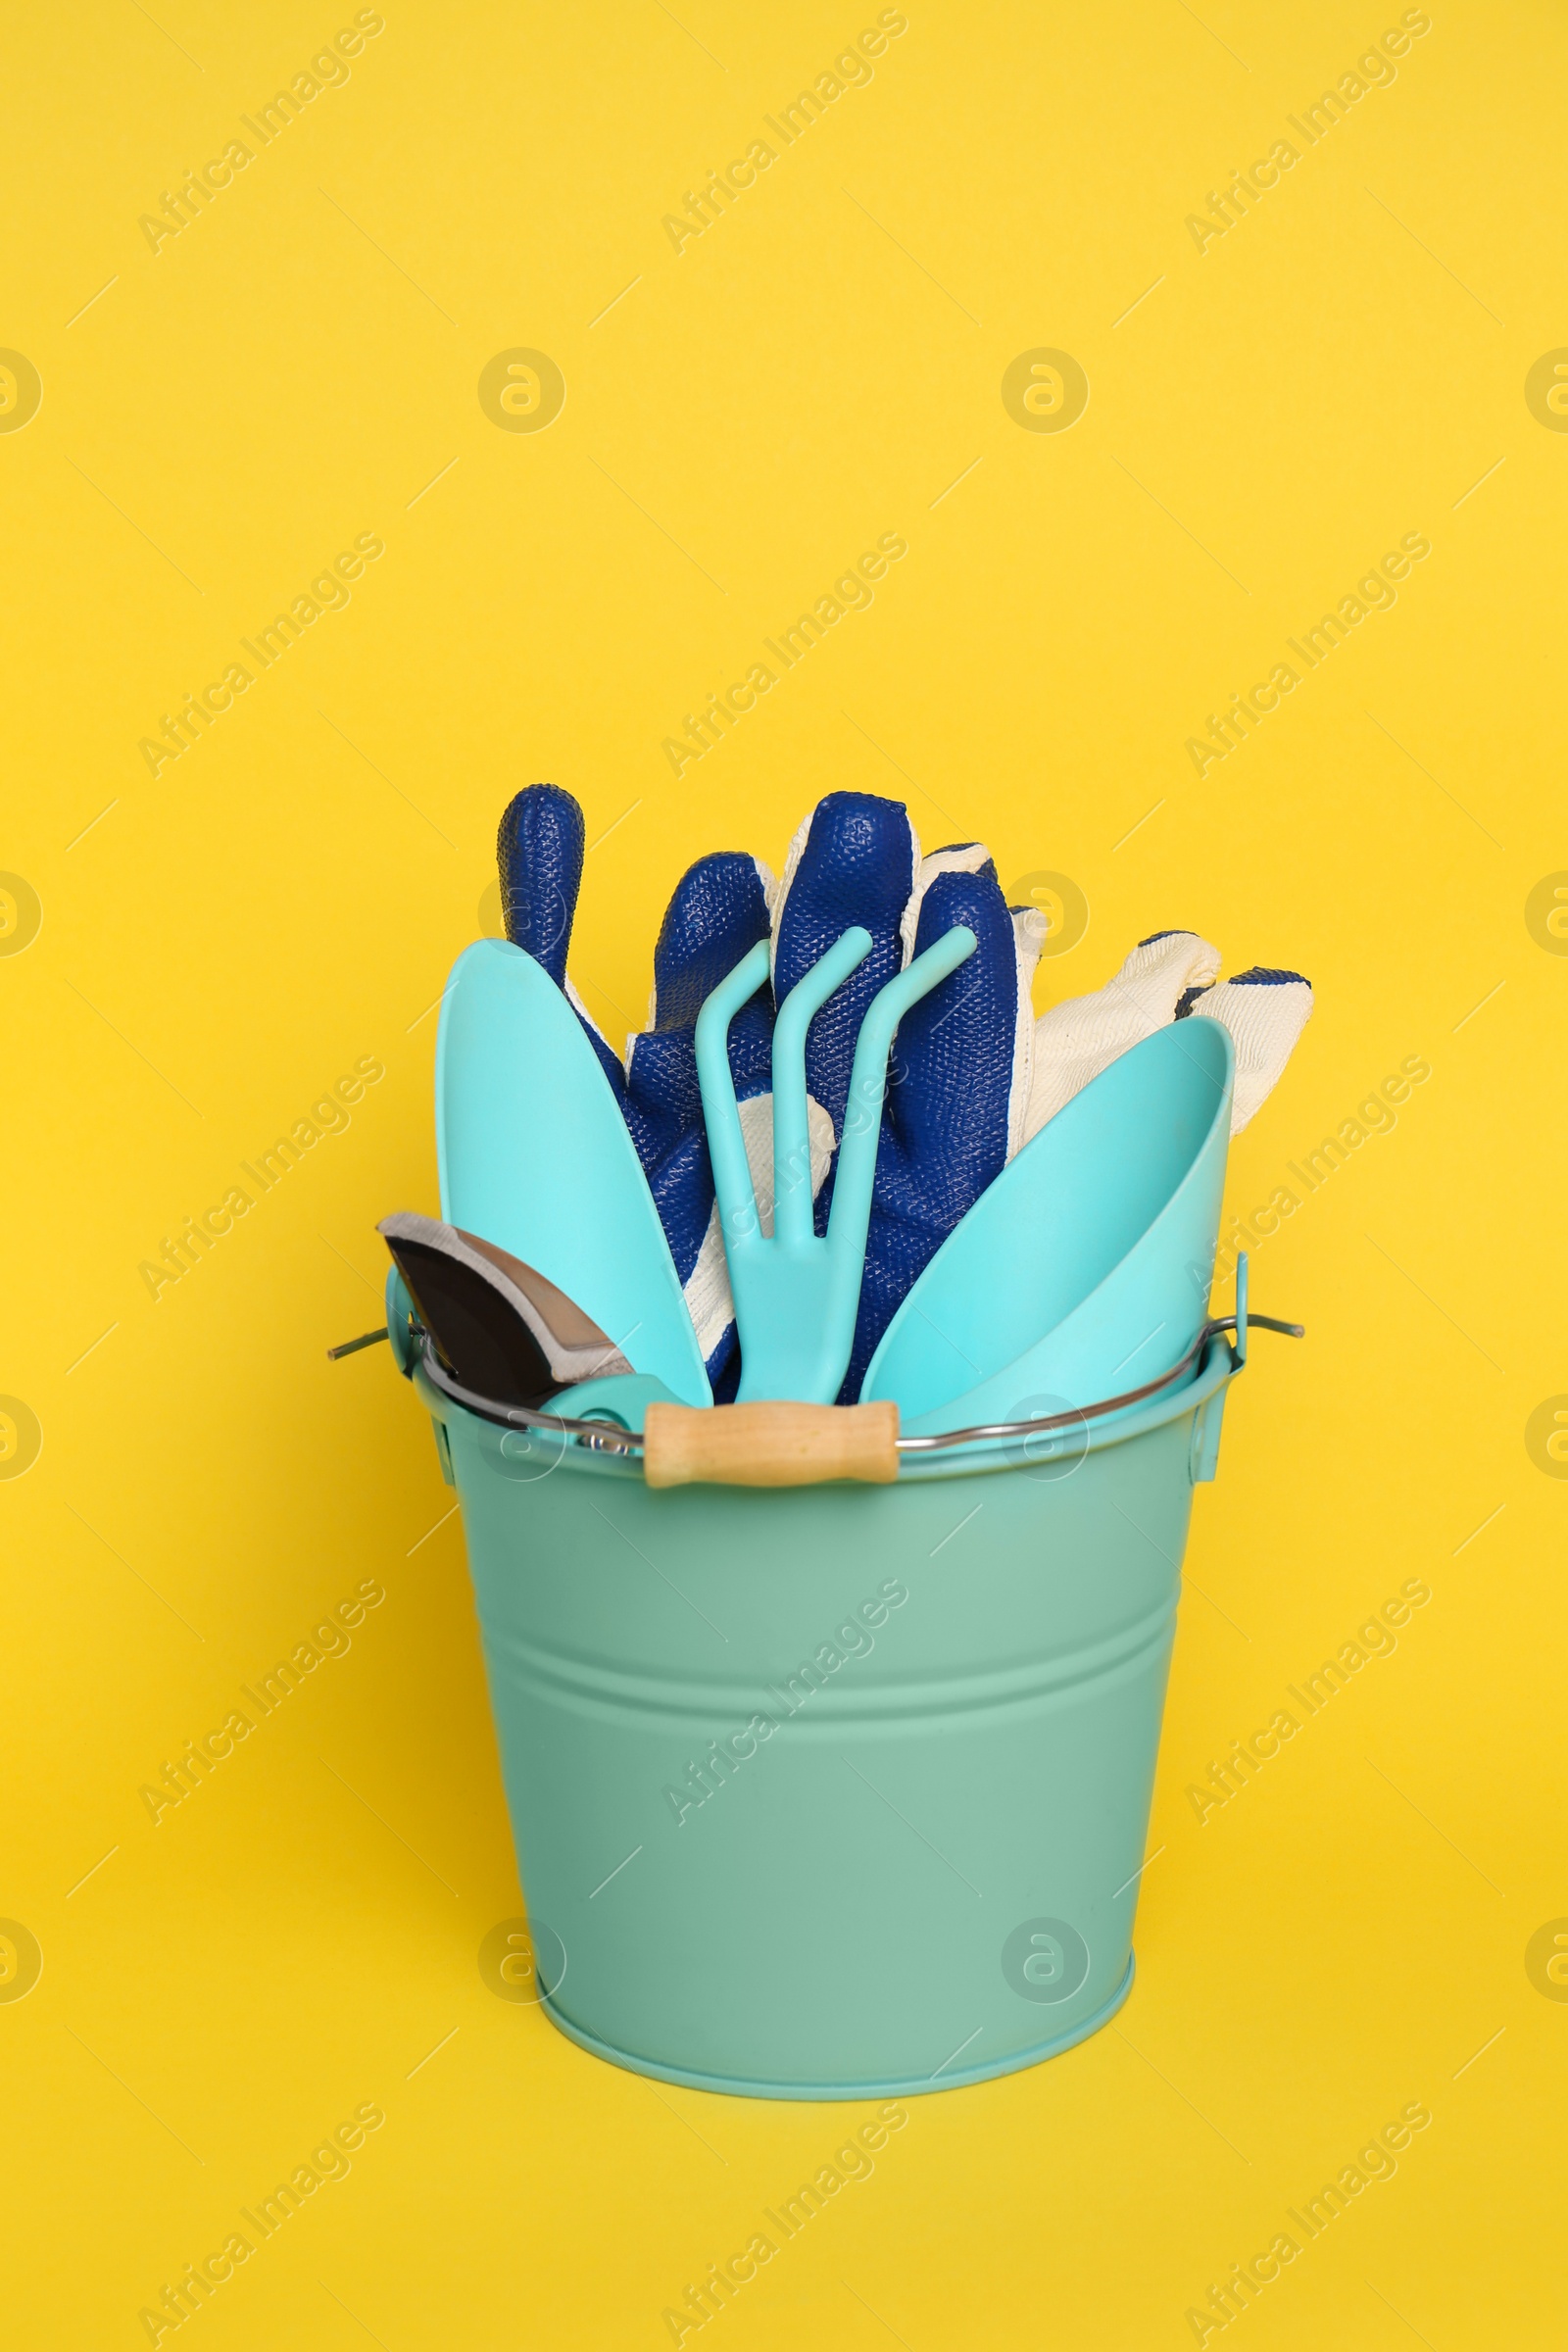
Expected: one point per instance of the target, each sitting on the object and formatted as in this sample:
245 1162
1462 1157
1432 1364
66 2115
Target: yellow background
294 369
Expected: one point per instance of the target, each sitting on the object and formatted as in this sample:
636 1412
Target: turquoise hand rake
797 1294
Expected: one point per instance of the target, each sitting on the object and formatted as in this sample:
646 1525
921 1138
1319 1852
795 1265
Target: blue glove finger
717 914
950 1100
539 849
854 860
956 1090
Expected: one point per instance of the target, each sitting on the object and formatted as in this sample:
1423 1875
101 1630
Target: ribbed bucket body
841 1788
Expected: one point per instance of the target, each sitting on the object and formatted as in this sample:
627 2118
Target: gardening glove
1166 978
719 910
958 1075
1266 1012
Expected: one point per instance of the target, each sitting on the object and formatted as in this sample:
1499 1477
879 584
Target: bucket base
893 2086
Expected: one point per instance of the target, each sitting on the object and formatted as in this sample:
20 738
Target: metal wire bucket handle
783 1440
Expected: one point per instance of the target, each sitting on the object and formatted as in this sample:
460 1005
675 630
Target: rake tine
732 1175
792 1147
863 1114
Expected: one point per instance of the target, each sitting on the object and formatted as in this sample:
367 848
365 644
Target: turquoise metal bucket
834 1791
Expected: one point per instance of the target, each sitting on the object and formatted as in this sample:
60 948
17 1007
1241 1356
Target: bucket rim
601 1449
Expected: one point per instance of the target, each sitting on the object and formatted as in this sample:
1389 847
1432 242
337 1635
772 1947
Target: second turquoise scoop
1084 1270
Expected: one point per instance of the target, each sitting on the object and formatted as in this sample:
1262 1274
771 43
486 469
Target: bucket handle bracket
1203 1460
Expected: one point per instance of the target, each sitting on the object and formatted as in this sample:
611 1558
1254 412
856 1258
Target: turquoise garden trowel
533 1153
796 1294
1083 1271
